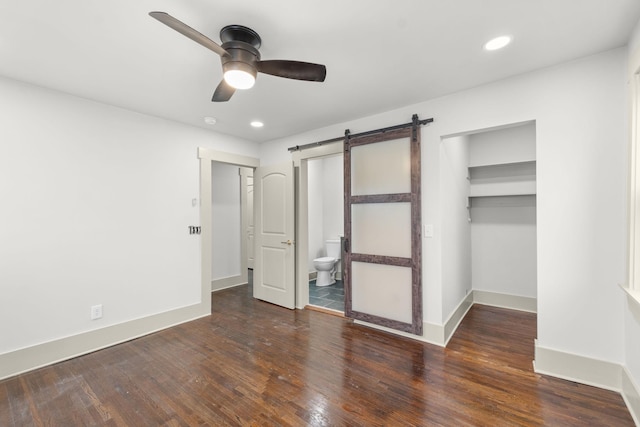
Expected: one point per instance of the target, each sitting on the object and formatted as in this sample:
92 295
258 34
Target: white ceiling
380 55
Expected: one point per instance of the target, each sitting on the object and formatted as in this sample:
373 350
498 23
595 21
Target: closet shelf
503 179
520 163
522 188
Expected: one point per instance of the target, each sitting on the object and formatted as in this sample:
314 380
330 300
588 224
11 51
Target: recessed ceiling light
257 124
210 120
497 43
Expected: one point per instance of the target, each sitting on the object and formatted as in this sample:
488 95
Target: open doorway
208 158
488 186
325 231
228 205
306 208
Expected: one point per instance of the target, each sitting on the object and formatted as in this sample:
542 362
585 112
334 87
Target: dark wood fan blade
186 30
223 92
294 70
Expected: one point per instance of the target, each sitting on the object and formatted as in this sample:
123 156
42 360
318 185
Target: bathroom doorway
325 229
310 213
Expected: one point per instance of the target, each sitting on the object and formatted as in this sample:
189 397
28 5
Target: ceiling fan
241 58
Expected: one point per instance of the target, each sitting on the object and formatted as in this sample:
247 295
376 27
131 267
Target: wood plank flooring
255 364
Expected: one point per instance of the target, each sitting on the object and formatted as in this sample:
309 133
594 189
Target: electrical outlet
96 311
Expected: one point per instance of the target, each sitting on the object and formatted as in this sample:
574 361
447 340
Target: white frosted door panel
381 168
274 276
382 290
274 204
381 229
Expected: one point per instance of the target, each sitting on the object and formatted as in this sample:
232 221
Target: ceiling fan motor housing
242 56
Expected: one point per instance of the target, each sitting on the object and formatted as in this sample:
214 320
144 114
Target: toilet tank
333 248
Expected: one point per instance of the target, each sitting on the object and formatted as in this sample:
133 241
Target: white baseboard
228 282
576 368
431 333
513 302
441 334
456 317
631 395
34 357
592 372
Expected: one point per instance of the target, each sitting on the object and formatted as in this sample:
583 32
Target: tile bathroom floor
331 297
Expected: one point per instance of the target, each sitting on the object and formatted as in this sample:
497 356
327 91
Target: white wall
226 220
503 245
631 309
456 230
579 108
96 204
512 144
333 195
316 210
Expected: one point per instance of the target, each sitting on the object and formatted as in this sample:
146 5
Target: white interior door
274 222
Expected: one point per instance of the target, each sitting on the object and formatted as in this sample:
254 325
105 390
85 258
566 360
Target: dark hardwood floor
252 363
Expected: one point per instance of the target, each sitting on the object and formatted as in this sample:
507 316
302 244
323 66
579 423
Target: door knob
288 242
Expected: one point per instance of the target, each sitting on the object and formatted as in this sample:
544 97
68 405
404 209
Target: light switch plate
428 230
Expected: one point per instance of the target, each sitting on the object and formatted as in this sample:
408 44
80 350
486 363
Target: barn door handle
345 245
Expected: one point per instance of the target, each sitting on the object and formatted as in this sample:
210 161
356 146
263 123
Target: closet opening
489 226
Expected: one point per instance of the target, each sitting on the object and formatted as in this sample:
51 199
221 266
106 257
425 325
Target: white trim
487 129
431 333
576 368
513 302
34 357
633 276
223 157
631 395
206 225
441 334
633 294
228 282
244 224
302 233
454 320
589 371
324 150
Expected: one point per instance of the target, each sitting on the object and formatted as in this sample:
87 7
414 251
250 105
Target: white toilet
326 266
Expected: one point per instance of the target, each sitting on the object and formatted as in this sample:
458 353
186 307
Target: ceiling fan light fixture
239 75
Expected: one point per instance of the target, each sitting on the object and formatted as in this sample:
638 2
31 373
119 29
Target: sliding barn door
383 282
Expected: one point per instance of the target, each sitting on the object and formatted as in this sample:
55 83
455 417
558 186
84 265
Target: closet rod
355 135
